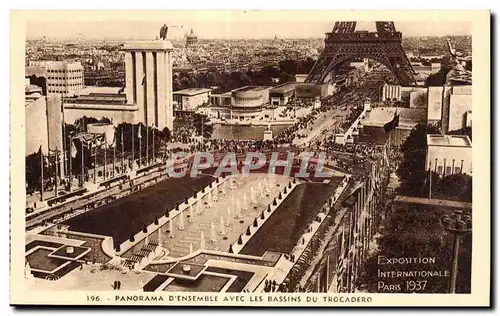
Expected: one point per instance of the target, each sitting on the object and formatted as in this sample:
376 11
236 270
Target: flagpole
64 172
140 146
82 171
95 160
123 155
105 160
133 146
55 177
114 155
153 131
430 183
165 153
147 145
41 167
70 157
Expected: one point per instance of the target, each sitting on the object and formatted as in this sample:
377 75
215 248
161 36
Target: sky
224 25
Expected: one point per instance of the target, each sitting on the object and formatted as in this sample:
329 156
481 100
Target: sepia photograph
208 159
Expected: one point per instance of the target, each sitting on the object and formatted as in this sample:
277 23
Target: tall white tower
148 73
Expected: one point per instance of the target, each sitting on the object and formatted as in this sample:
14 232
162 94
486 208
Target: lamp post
458 225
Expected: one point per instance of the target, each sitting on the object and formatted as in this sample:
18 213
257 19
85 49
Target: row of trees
284 71
195 124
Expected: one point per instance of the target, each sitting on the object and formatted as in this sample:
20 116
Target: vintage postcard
256 158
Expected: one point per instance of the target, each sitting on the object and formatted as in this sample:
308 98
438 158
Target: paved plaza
92 278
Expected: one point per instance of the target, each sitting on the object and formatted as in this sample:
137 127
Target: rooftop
49 64
98 95
462 90
433 202
148 45
251 88
407 116
192 91
372 135
88 90
284 87
448 140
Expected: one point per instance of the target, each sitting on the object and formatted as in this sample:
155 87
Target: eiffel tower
344 44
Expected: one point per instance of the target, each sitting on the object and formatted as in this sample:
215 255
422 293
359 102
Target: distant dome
191 38
191 35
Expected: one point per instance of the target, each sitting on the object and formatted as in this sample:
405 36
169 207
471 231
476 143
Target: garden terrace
129 214
282 231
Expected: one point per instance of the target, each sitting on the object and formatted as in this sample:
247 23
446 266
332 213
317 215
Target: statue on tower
163 32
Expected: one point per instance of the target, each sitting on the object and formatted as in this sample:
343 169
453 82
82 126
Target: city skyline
228 29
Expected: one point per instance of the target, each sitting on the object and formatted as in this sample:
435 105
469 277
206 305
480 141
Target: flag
73 149
40 152
80 126
139 132
389 126
341 262
104 139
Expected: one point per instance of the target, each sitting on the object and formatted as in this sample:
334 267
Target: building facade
281 94
248 102
460 104
64 78
391 92
191 99
449 154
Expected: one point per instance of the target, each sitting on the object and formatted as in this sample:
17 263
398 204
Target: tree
452 187
176 84
34 172
285 77
463 131
414 231
412 170
437 79
288 66
185 83
201 125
